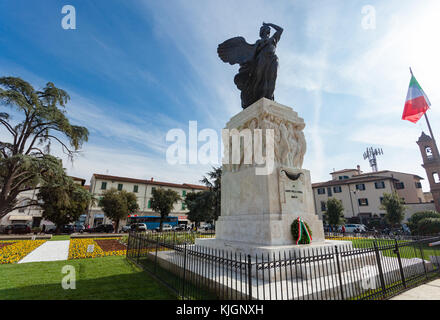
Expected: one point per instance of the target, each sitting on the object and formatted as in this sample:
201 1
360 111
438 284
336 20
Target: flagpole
429 127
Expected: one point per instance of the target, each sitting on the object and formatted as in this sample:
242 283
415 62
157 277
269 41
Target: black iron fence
376 235
375 269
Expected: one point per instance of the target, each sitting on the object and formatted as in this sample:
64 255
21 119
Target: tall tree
214 183
117 205
25 161
335 212
63 202
201 206
394 207
162 202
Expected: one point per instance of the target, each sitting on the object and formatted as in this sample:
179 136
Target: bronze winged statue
258 64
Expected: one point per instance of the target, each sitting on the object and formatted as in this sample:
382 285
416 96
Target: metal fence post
397 252
249 266
379 265
155 257
138 248
423 259
184 271
339 272
127 253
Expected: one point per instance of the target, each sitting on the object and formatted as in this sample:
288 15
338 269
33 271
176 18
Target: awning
17 217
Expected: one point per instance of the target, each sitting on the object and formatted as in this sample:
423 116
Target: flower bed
102 247
12 251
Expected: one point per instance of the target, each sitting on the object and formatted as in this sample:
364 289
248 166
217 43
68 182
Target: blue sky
136 69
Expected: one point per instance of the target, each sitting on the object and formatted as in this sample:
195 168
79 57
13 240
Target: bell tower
431 163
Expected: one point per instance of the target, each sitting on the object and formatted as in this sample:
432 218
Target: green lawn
409 251
60 237
98 278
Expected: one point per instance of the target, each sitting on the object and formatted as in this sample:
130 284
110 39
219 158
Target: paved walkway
428 291
49 251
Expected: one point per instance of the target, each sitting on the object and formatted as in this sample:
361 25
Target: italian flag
417 103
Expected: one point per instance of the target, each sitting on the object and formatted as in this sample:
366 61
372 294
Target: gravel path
49 251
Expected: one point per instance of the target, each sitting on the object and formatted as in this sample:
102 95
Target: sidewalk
428 291
49 251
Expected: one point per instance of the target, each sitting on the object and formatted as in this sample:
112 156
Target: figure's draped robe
256 78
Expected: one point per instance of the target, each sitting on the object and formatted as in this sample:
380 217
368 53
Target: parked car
67 228
102 228
139 227
126 228
181 227
79 228
18 228
165 227
208 227
351 228
50 228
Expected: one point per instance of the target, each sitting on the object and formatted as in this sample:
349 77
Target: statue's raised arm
278 31
258 64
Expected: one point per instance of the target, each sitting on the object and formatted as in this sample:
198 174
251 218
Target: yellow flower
17 250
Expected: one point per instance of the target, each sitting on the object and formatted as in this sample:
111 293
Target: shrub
428 226
413 222
294 230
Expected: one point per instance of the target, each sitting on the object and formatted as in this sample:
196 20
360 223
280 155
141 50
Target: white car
350 228
139 227
165 227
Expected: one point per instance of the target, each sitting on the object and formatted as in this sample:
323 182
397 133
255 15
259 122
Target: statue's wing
236 50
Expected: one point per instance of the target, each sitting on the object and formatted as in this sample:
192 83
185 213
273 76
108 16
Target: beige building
143 190
30 215
362 193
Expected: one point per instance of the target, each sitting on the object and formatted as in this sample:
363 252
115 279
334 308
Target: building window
418 185
337 189
344 177
149 204
152 189
381 200
360 186
429 154
363 202
400 185
379 185
323 206
135 188
103 185
184 193
321 190
436 177
329 191
183 206
119 186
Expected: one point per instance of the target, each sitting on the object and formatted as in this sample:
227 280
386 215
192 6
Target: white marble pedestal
257 209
